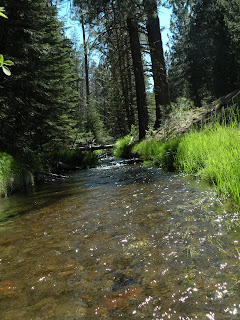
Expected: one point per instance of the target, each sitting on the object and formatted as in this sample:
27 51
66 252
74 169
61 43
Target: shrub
14 174
74 158
123 147
159 152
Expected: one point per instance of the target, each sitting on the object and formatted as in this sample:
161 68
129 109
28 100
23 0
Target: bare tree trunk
129 86
161 90
121 54
86 63
139 77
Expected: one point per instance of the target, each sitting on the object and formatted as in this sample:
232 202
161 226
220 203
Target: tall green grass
211 153
160 153
6 162
123 148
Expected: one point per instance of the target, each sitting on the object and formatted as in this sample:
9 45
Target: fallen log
93 148
54 175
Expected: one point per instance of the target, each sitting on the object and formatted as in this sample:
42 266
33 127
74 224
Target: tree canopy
61 94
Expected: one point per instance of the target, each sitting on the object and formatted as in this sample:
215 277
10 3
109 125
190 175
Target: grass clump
123 147
213 154
159 152
6 162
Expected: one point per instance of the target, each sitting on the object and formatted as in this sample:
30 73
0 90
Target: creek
119 241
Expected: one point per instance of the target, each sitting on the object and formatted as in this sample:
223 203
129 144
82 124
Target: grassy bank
214 155
211 153
17 173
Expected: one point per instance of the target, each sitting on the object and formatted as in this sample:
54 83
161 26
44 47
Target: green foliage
214 155
39 104
183 104
123 147
74 158
204 62
18 172
94 128
4 64
159 152
2 10
5 169
14 174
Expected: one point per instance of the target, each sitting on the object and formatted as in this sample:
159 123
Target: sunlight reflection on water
120 241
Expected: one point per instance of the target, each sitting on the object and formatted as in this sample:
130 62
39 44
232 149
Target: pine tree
117 19
40 98
205 49
179 26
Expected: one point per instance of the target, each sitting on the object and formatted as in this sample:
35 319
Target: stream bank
17 173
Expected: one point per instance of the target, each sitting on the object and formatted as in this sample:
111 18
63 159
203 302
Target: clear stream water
119 241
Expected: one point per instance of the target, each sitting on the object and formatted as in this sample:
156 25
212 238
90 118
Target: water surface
119 241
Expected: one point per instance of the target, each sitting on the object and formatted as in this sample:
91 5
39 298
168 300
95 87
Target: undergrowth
13 174
159 152
74 158
123 148
19 172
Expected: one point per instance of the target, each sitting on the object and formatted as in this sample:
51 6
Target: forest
119 160
56 95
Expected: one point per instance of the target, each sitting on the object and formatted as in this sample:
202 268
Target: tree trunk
86 63
161 90
139 77
122 72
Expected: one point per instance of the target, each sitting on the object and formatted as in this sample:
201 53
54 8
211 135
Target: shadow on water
36 198
110 173
120 241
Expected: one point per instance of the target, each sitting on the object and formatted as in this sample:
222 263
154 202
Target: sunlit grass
161 153
213 154
124 146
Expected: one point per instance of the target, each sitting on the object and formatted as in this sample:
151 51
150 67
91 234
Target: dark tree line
205 49
38 102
